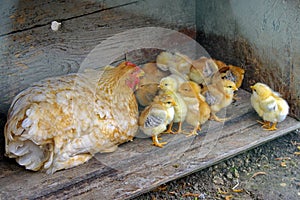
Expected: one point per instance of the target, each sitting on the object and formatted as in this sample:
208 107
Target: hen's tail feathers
27 154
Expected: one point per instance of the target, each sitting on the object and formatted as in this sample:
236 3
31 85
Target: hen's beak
141 73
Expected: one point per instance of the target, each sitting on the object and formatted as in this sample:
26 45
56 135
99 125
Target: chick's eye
169 102
166 84
230 86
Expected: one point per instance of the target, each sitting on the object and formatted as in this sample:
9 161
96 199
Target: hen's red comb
129 64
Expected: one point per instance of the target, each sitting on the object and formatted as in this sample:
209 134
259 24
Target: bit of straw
283 158
190 195
258 173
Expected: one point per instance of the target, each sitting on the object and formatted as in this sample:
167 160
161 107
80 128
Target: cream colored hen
62 122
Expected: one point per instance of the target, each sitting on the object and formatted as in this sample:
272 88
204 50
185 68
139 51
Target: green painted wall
263 36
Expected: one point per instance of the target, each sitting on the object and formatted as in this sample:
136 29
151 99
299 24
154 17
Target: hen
268 105
61 122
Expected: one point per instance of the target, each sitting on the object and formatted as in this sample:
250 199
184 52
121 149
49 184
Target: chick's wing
269 104
153 117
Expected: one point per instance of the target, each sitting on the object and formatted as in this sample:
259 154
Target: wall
31 51
262 36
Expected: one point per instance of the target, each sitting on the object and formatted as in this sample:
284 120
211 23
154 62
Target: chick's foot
216 118
156 143
272 128
179 130
194 131
265 124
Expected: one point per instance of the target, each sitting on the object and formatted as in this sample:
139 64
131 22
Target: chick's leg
179 128
265 124
156 143
271 128
216 118
194 132
169 128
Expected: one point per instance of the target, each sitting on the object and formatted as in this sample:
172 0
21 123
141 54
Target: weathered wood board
31 51
137 167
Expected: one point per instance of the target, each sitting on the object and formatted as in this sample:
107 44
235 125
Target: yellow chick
268 105
219 97
198 110
146 93
155 118
169 85
231 72
176 63
202 71
153 73
148 86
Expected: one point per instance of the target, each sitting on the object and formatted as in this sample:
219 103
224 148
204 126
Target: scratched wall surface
31 51
263 36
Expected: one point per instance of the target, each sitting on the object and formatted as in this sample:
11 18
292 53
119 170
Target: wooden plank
29 58
137 167
37 52
19 15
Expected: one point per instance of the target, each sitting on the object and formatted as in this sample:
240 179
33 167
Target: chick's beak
252 87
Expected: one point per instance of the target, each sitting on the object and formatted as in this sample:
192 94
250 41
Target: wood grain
36 52
20 15
137 167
